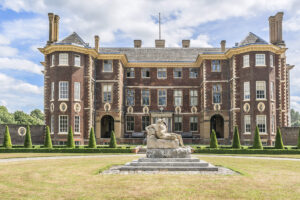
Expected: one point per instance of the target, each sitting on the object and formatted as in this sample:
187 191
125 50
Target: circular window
22 131
63 107
77 107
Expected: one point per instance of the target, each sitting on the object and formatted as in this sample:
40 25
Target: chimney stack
97 43
159 43
137 43
186 43
56 28
275 29
223 45
51 28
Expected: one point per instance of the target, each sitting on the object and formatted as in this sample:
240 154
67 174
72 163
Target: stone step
168 160
166 168
172 164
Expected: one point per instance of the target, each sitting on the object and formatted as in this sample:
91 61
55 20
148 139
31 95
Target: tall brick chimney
51 28
186 43
56 28
275 29
159 43
137 43
223 45
97 43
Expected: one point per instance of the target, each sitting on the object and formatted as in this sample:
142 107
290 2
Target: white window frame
177 97
246 60
247 121
60 131
194 119
193 97
110 62
177 70
76 91
144 70
145 123
216 88
144 94
260 60
162 96
52 124
131 72
107 88
63 59
63 91
260 86
162 73
190 73
216 66
52 60
272 90
271 60
259 120
177 120
52 91
132 95
127 130
77 60
247 94
76 124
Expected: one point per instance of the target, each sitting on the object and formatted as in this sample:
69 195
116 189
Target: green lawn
79 179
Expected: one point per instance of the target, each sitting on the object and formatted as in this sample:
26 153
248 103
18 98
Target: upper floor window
52 60
130 72
193 123
178 97
130 97
260 60
217 93
260 89
77 124
52 91
107 66
161 73
130 123
272 90
261 123
145 73
77 60
145 122
145 97
177 123
273 124
246 90
215 66
63 90
246 62
52 124
77 91
271 61
63 59
193 97
162 97
193 72
247 123
177 72
107 93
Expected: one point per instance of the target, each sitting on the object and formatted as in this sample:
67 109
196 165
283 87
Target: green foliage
236 144
70 143
7 141
299 139
48 141
38 115
112 142
27 141
295 118
248 151
92 140
278 142
66 150
257 142
5 116
213 140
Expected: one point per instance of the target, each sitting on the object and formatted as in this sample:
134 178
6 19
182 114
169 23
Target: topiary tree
70 143
92 140
48 141
236 144
113 142
213 140
27 141
278 142
299 139
6 140
257 142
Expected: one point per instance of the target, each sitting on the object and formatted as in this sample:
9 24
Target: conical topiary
278 142
257 142
236 144
7 140
92 140
48 141
27 142
299 139
70 143
112 142
213 140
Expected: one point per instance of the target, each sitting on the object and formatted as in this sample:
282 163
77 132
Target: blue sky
24 28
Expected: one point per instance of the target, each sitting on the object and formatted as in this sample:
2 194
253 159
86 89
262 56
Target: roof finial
159 26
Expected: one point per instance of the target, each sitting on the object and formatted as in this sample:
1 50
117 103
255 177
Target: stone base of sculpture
169 153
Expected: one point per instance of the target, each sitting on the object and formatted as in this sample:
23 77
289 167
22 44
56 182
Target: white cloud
201 41
7 51
4 40
20 64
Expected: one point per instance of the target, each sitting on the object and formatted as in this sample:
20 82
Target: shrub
298 140
213 140
6 140
48 141
92 140
70 143
27 142
257 142
248 151
66 150
278 142
236 144
112 142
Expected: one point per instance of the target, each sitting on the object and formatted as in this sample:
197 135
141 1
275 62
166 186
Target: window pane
193 97
193 72
161 73
178 123
217 93
260 60
162 97
216 67
130 97
63 90
107 93
145 97
63 59
52 91
130 72
193 123
107 66
77 124
145 73
246 90
261 123
177 97
130 123
77 91
145 122
177 72
52 124
246 61
260 89
247 122
63 124
77 60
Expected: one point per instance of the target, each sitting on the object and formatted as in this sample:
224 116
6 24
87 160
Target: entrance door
217 123
107 126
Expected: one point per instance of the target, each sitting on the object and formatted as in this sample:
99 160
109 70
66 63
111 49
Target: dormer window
107 66
77 60
63 59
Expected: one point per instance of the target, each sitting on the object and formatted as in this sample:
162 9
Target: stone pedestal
169 153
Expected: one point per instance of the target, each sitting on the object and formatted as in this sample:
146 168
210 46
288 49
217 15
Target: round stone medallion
22 131
193 109
177 110
261 107
52 107
107 107
63 107
146 110
77 107
246 107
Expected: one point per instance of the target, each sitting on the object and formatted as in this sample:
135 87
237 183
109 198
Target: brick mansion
193 89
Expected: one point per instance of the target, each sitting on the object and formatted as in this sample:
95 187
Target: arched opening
107 126
217 123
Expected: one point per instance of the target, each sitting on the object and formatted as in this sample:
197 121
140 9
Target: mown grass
79 179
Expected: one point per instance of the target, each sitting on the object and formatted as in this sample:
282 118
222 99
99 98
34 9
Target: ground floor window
247 122
193 123
62 143
77 124
52 124
63 123
145 122
261 123
177 123
77 143
130 123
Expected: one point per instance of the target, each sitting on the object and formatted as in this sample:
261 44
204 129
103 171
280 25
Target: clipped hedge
248 151
66 150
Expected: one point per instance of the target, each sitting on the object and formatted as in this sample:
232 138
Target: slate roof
74 38
251 38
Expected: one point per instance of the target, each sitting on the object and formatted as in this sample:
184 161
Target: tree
295 118
278 142
299 139
257 142
38 116
92 140
236 144
48 141
71 143
5 116
27 142
6 140
112 142
213 140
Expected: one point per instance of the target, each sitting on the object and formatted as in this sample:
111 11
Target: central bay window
246 61
261 123
193 72
130 123
63 59
247 124
77 91
193 97
77 124
145 73
63 124
215 66
63 90
145 122
130 97
145 97
130 72
193 123
260 60
77 60
162 97
217 93
107 97
260 89
107 66
162 73
246 90
178 123
177 97
52 91
177 72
